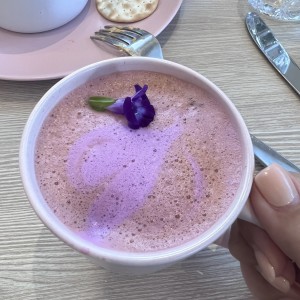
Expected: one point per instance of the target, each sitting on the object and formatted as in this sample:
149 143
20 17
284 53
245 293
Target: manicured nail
265 268
281 284
268 272
276 186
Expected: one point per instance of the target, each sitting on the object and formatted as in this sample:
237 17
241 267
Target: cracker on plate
126 11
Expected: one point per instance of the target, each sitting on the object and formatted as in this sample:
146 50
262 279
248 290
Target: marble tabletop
210 37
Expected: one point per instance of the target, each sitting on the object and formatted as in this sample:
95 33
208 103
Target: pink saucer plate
57 53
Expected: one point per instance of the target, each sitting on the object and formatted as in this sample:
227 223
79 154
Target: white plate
57 53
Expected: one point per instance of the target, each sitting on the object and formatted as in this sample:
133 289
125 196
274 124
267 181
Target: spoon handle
266 156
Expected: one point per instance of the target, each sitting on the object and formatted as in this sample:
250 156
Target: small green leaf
100 103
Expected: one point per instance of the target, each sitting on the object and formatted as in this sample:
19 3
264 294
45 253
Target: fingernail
281 284
266 269
276 186
268 272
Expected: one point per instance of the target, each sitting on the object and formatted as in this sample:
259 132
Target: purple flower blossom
137 109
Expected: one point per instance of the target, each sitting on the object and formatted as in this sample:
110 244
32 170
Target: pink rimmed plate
57 53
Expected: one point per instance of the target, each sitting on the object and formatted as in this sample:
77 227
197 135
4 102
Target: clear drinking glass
286 10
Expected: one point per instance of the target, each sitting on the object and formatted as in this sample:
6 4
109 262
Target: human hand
270 258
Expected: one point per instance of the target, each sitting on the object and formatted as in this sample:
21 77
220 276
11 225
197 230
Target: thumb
276 203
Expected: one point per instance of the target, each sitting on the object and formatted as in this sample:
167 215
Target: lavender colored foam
146 189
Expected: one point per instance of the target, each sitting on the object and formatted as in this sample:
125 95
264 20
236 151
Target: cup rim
167 255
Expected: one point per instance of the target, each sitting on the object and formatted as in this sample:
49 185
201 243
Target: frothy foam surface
146 189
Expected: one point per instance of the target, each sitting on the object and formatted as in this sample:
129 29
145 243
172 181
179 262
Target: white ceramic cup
31 16
115 260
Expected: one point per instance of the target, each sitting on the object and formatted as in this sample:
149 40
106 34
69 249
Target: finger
243 252
252 246
275 201
261 289
239 248
273 264
265 248
262 280
244 238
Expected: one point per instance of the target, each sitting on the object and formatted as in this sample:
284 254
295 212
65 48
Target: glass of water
286 10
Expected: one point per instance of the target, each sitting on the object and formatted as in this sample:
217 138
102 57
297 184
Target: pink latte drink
139 190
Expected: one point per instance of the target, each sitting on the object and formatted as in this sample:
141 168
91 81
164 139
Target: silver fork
138 42
132 41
